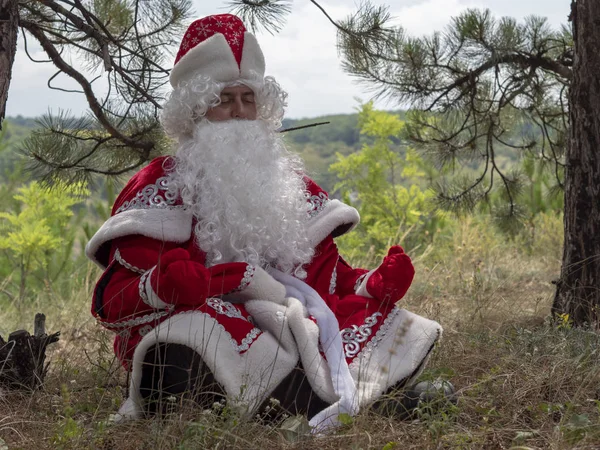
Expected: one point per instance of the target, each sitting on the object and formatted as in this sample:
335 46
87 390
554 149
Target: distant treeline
316 145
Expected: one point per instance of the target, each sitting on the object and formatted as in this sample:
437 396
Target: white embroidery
125 264
316 203
352 337
225 308
246 342
145 330
333 281
248 275
373 343
142 288
153 196
135 322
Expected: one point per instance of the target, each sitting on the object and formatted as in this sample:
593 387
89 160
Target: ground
522 381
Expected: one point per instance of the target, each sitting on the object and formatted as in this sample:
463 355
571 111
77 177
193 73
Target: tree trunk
9 28
23 357
578 289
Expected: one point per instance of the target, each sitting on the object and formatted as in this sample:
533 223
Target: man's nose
239 111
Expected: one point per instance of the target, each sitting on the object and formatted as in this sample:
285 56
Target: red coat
148 222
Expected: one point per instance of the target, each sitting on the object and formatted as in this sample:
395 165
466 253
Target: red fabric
393 277
230 26
181 279
178 280
145 177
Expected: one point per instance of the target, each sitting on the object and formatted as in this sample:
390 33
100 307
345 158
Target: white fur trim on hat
214 58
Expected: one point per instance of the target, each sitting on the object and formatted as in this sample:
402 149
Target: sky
302 57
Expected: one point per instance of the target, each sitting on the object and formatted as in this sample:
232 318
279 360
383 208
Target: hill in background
316 145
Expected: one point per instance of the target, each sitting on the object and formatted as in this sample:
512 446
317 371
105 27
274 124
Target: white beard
247 193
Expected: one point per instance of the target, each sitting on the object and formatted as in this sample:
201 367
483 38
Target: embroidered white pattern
246 342
359 280
225 308
145 330
153 196
316 203
353 336
142 287
125 264
248 274
333 281
374 342
135 322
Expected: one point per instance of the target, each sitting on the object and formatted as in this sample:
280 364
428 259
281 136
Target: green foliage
374 180
484 87
35 232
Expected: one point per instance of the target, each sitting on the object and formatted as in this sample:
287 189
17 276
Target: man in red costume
222 276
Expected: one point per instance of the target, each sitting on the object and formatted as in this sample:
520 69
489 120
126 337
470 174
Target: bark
9 28
23 357
578 289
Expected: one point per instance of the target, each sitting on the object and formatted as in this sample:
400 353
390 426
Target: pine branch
267 14
95 106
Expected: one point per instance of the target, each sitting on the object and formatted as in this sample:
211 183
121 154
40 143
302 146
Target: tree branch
95 106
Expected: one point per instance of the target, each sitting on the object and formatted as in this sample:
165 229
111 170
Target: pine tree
123 42
484 85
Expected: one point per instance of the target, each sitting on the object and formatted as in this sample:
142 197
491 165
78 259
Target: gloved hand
391 280
179 280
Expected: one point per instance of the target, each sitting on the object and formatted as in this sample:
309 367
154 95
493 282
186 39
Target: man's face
237 102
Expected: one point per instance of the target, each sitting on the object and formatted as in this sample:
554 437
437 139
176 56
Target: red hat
220 47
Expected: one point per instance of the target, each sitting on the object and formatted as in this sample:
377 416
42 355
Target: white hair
191 99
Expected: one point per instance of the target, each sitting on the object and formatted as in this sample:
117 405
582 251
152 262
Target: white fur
334 214
331 343
214 58
153 299
262 286
402 344
248 378
362 288
171 225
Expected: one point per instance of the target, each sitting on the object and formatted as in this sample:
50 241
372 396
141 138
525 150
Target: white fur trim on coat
333 215
262 286
331 342
247 377
173 225
362 287
399 350
150 297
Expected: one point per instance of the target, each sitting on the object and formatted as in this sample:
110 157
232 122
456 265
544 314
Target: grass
522 382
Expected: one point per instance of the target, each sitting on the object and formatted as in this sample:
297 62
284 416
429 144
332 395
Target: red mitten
391 280
179 280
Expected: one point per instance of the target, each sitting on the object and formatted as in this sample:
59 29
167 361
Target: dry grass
521 381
